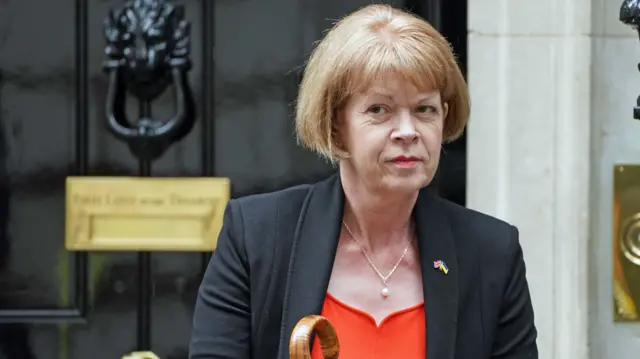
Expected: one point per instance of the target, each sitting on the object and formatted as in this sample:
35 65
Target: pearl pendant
385 291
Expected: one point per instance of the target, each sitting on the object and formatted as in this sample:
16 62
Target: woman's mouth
406 161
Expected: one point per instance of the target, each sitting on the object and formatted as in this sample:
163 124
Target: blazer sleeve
516 333
222 316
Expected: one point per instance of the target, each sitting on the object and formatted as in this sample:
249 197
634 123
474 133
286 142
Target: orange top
400 335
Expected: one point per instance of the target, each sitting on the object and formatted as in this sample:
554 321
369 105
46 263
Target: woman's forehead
394 85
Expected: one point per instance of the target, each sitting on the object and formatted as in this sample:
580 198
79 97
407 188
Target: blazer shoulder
266 216
263 203
496 236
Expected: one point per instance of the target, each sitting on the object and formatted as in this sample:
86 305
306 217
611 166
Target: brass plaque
144 214
626 242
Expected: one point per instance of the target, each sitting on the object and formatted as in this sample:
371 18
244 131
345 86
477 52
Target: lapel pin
441 266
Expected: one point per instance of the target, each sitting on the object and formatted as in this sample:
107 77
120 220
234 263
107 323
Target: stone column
528 152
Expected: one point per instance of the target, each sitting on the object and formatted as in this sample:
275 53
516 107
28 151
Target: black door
450 18
246 58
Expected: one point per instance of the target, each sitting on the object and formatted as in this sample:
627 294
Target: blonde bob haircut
363 47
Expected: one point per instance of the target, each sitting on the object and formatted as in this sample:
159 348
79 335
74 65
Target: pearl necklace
385 289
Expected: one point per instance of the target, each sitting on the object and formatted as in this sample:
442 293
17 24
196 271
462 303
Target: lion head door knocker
148 45
630 15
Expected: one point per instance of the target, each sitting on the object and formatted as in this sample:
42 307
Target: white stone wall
529 149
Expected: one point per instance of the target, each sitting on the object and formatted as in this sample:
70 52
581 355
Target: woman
399 272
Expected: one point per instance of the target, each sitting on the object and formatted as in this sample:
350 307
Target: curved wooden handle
299 344
141 355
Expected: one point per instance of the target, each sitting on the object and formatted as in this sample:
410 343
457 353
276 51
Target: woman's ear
340 147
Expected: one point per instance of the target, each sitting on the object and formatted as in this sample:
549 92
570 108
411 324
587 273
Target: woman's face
393 134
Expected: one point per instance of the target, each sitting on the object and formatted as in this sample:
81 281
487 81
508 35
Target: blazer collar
437 243
313 253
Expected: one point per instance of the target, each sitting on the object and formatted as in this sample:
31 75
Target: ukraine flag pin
440 265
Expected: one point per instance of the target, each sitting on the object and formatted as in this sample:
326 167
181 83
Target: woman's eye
376 110
427 109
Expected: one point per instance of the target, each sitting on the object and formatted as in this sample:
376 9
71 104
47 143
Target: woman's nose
406 130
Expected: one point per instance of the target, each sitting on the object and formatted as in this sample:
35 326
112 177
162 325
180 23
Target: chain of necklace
385 290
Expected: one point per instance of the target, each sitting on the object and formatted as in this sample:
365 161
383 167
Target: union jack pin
441 266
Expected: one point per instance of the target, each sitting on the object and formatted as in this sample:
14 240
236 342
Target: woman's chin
406 185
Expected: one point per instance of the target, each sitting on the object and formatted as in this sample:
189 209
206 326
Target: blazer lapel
436 243
312 256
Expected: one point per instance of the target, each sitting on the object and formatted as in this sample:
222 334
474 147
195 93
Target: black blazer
275 255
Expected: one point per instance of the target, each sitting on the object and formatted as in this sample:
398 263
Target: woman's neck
374 217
